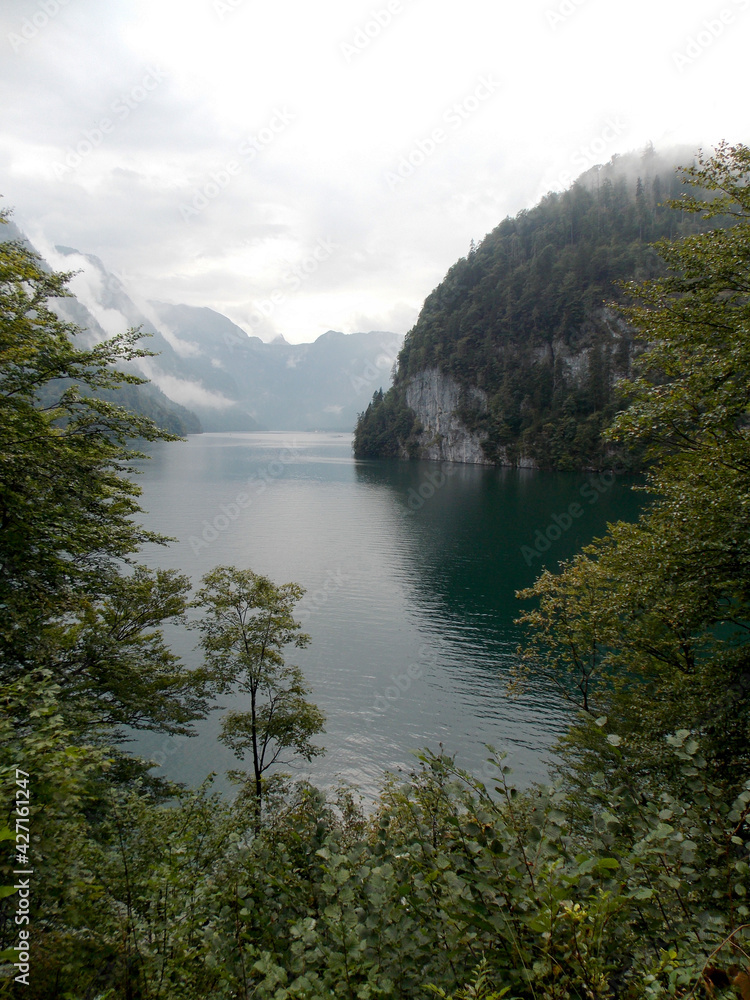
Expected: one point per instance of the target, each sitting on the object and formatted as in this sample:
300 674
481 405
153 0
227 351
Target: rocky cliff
517 355
435 399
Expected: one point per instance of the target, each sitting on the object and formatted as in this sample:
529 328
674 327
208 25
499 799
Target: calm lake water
410 570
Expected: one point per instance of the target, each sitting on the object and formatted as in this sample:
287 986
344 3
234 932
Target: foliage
65 506
68 509
524 318
478 989
652 619
692 389
247 623
445 884
629 878
384 425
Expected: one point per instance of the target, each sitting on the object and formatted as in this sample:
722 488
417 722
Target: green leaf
607 863
642 894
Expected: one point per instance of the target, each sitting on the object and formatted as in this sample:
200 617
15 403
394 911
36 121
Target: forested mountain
516 355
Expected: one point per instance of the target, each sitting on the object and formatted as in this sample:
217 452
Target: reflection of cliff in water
477 534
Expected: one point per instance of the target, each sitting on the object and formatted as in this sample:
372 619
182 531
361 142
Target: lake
410 569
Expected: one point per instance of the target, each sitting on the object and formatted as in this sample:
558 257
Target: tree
509 318
658 612
692 389
113 664
68 508
65 505
248 622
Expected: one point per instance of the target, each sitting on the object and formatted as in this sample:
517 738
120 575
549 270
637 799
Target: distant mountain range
209 374
280 386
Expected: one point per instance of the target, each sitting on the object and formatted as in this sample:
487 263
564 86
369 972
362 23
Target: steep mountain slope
105 307
516 355
317 386
232 381
146 399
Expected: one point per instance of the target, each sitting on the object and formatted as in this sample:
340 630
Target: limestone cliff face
456 423
439 400
435 398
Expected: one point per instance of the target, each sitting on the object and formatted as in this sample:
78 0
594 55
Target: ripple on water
411 612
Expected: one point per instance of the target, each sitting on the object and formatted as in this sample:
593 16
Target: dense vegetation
628 879
525 319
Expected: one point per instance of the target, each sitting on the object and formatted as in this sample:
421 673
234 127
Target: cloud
181 391
116 116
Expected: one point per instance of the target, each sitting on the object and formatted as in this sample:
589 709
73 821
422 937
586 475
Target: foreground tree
65 505
82 653
653 619
248 622
68 517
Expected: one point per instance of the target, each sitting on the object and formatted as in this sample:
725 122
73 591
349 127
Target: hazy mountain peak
90 257
229 379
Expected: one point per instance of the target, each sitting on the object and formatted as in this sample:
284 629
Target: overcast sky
307 166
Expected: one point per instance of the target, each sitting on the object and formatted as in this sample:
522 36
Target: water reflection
411 571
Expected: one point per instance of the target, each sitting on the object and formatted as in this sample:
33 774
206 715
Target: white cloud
203 124
181 391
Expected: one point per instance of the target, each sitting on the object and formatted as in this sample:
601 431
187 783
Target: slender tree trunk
258 799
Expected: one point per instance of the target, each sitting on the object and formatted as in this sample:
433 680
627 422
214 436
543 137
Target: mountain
207 373
103 306
516 356
146 399
317 386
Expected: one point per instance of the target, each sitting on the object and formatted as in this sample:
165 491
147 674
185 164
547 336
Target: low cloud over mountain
232 381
